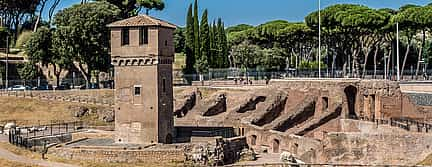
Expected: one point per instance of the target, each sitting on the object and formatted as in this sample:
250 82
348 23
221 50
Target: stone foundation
120 156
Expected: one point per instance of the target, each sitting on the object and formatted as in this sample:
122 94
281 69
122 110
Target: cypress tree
190 38
224 47
202 62
196 32
214 46
219 44
212 38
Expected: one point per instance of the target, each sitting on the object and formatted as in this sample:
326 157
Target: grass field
31 111
7 163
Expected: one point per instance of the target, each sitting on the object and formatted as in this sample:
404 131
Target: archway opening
169 139
276 146
351 93
253 140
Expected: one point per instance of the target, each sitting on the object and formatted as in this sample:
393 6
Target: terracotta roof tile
142 20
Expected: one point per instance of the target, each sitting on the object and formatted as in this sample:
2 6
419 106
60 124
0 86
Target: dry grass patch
5 163
25 111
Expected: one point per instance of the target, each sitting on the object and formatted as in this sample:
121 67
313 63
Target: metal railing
403 123
21 136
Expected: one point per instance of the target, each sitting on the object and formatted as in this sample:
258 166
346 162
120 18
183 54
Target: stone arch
134 62
275 145
294 148
351 94
253 140
141 62
169 139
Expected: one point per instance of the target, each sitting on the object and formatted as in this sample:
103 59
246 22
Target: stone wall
376 148
121 156
104 97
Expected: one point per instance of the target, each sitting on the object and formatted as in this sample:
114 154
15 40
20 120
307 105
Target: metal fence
403 123
256 74
21 136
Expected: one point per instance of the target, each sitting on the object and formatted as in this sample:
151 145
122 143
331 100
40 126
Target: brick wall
120 156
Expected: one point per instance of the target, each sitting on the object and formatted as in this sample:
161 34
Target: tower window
166 43
125 36
143 33
164 85
137 90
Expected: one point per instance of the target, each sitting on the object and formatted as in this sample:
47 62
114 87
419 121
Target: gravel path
5 154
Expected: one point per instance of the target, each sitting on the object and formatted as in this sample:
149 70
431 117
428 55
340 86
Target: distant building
142 52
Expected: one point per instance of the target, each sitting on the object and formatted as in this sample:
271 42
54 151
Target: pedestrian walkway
5 154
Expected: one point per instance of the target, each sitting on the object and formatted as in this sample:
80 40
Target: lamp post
397 51
7 61
319 38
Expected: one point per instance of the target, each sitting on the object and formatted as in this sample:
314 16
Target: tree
151 4
130 8
238 28
83 33
14 11
408 27
202 61
44 47
180 40
190 44
196 28
28 71
244 55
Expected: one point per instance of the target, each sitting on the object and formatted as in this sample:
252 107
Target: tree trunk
43 2
367 51
420 54
389 59
85 73
57 72
405 58
375 61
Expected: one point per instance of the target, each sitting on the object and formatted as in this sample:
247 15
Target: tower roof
142 20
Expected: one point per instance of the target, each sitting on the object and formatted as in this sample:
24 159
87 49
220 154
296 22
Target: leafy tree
28 71
15 11
190 44
244 55
238 28
202 61
408 27
151 4
82 32
179 40
130 8
44 48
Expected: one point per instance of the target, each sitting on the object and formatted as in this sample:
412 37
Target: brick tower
142 52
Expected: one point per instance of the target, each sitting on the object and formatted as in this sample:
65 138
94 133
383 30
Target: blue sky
256 12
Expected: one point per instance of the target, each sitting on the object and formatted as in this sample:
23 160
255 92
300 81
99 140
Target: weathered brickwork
120 156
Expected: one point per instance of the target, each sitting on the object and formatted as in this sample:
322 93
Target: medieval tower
142 52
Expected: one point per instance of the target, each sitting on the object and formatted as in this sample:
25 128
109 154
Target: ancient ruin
335 121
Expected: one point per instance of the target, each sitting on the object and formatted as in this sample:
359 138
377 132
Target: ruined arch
350 94
275 145
168 139
253 140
